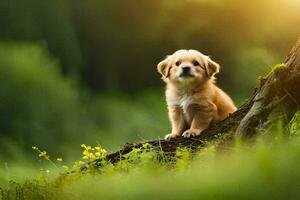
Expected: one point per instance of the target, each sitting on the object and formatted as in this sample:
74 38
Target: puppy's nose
186 68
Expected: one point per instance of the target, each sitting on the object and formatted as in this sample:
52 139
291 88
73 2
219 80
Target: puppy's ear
164 67
211 68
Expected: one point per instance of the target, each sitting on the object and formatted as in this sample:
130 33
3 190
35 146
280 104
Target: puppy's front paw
169 136
191 133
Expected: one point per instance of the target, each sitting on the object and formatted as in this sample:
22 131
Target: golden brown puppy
193 99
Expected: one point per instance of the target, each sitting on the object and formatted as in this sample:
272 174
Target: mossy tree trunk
278 96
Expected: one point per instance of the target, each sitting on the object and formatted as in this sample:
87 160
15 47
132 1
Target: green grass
265 169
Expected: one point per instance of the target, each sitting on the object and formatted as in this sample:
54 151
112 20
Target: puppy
194 101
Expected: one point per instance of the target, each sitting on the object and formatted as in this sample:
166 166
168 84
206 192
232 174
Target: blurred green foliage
38 105
116 44
128 118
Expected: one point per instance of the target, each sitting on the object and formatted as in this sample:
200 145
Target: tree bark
277 97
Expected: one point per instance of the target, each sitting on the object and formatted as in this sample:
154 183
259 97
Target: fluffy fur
193 99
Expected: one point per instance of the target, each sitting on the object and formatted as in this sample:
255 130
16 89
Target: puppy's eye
177 63
196 63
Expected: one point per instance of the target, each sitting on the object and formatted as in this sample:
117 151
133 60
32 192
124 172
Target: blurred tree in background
68 68
36 100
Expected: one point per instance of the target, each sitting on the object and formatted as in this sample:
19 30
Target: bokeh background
76 71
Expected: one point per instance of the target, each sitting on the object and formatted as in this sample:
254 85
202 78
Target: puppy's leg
203 115
177 121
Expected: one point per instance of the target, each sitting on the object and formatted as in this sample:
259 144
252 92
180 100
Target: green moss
273 70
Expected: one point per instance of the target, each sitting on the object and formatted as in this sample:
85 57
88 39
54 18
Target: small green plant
294 125
183 156
89 154
43 154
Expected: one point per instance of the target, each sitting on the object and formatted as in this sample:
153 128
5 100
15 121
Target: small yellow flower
34 148
42 154
59 159
97 148
97 154
85 152
80 162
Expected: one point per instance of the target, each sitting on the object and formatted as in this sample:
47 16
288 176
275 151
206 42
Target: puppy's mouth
187 75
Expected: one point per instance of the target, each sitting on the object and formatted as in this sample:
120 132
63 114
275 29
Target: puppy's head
186 66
